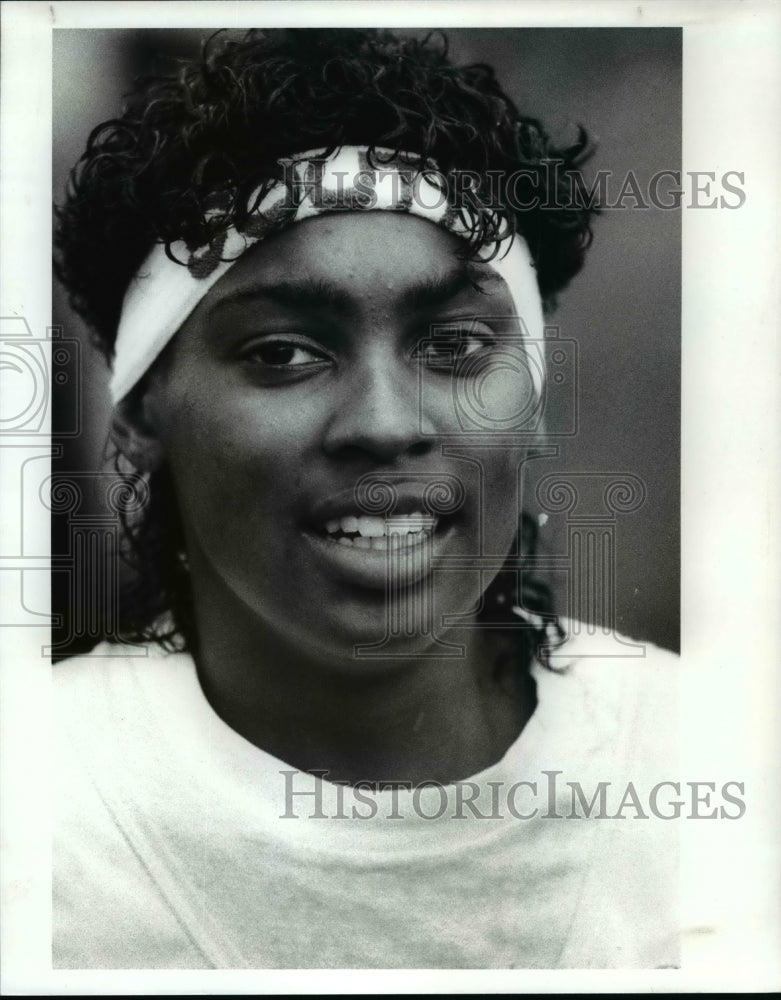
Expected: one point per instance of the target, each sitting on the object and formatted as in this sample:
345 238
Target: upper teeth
376 527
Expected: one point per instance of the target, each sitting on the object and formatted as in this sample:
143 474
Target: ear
133 431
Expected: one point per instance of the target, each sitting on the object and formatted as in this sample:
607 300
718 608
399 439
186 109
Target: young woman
319 264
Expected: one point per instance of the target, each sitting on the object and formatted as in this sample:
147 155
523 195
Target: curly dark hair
215 128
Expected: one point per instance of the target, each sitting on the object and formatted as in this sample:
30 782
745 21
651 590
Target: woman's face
305 369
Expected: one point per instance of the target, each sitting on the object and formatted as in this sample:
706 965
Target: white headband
164 292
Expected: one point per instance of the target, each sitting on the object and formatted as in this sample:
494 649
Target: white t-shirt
179 844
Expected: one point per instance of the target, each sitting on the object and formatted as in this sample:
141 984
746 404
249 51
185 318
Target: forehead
357 255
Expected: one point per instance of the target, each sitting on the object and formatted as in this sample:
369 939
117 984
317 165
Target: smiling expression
308 367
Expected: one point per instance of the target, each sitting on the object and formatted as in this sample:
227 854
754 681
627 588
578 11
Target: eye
448 346
283 353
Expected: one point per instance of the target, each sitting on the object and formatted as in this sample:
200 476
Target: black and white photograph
392 580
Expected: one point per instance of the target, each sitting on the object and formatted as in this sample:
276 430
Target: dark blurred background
624 86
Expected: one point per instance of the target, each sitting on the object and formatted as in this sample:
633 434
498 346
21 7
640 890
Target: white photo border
731 484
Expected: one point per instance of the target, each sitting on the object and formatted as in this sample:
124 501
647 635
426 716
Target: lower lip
404 563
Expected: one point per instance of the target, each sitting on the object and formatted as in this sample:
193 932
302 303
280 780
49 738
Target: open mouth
376 550
381 534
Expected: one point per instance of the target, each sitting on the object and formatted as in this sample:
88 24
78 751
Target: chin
363 637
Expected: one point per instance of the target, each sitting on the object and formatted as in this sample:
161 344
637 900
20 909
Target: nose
379 413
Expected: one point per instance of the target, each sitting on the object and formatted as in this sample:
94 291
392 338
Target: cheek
498 393
502 470
237 460
510 391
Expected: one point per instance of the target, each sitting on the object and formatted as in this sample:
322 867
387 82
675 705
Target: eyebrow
307 293
433 291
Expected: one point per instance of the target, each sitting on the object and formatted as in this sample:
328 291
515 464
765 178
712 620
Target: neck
406 719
